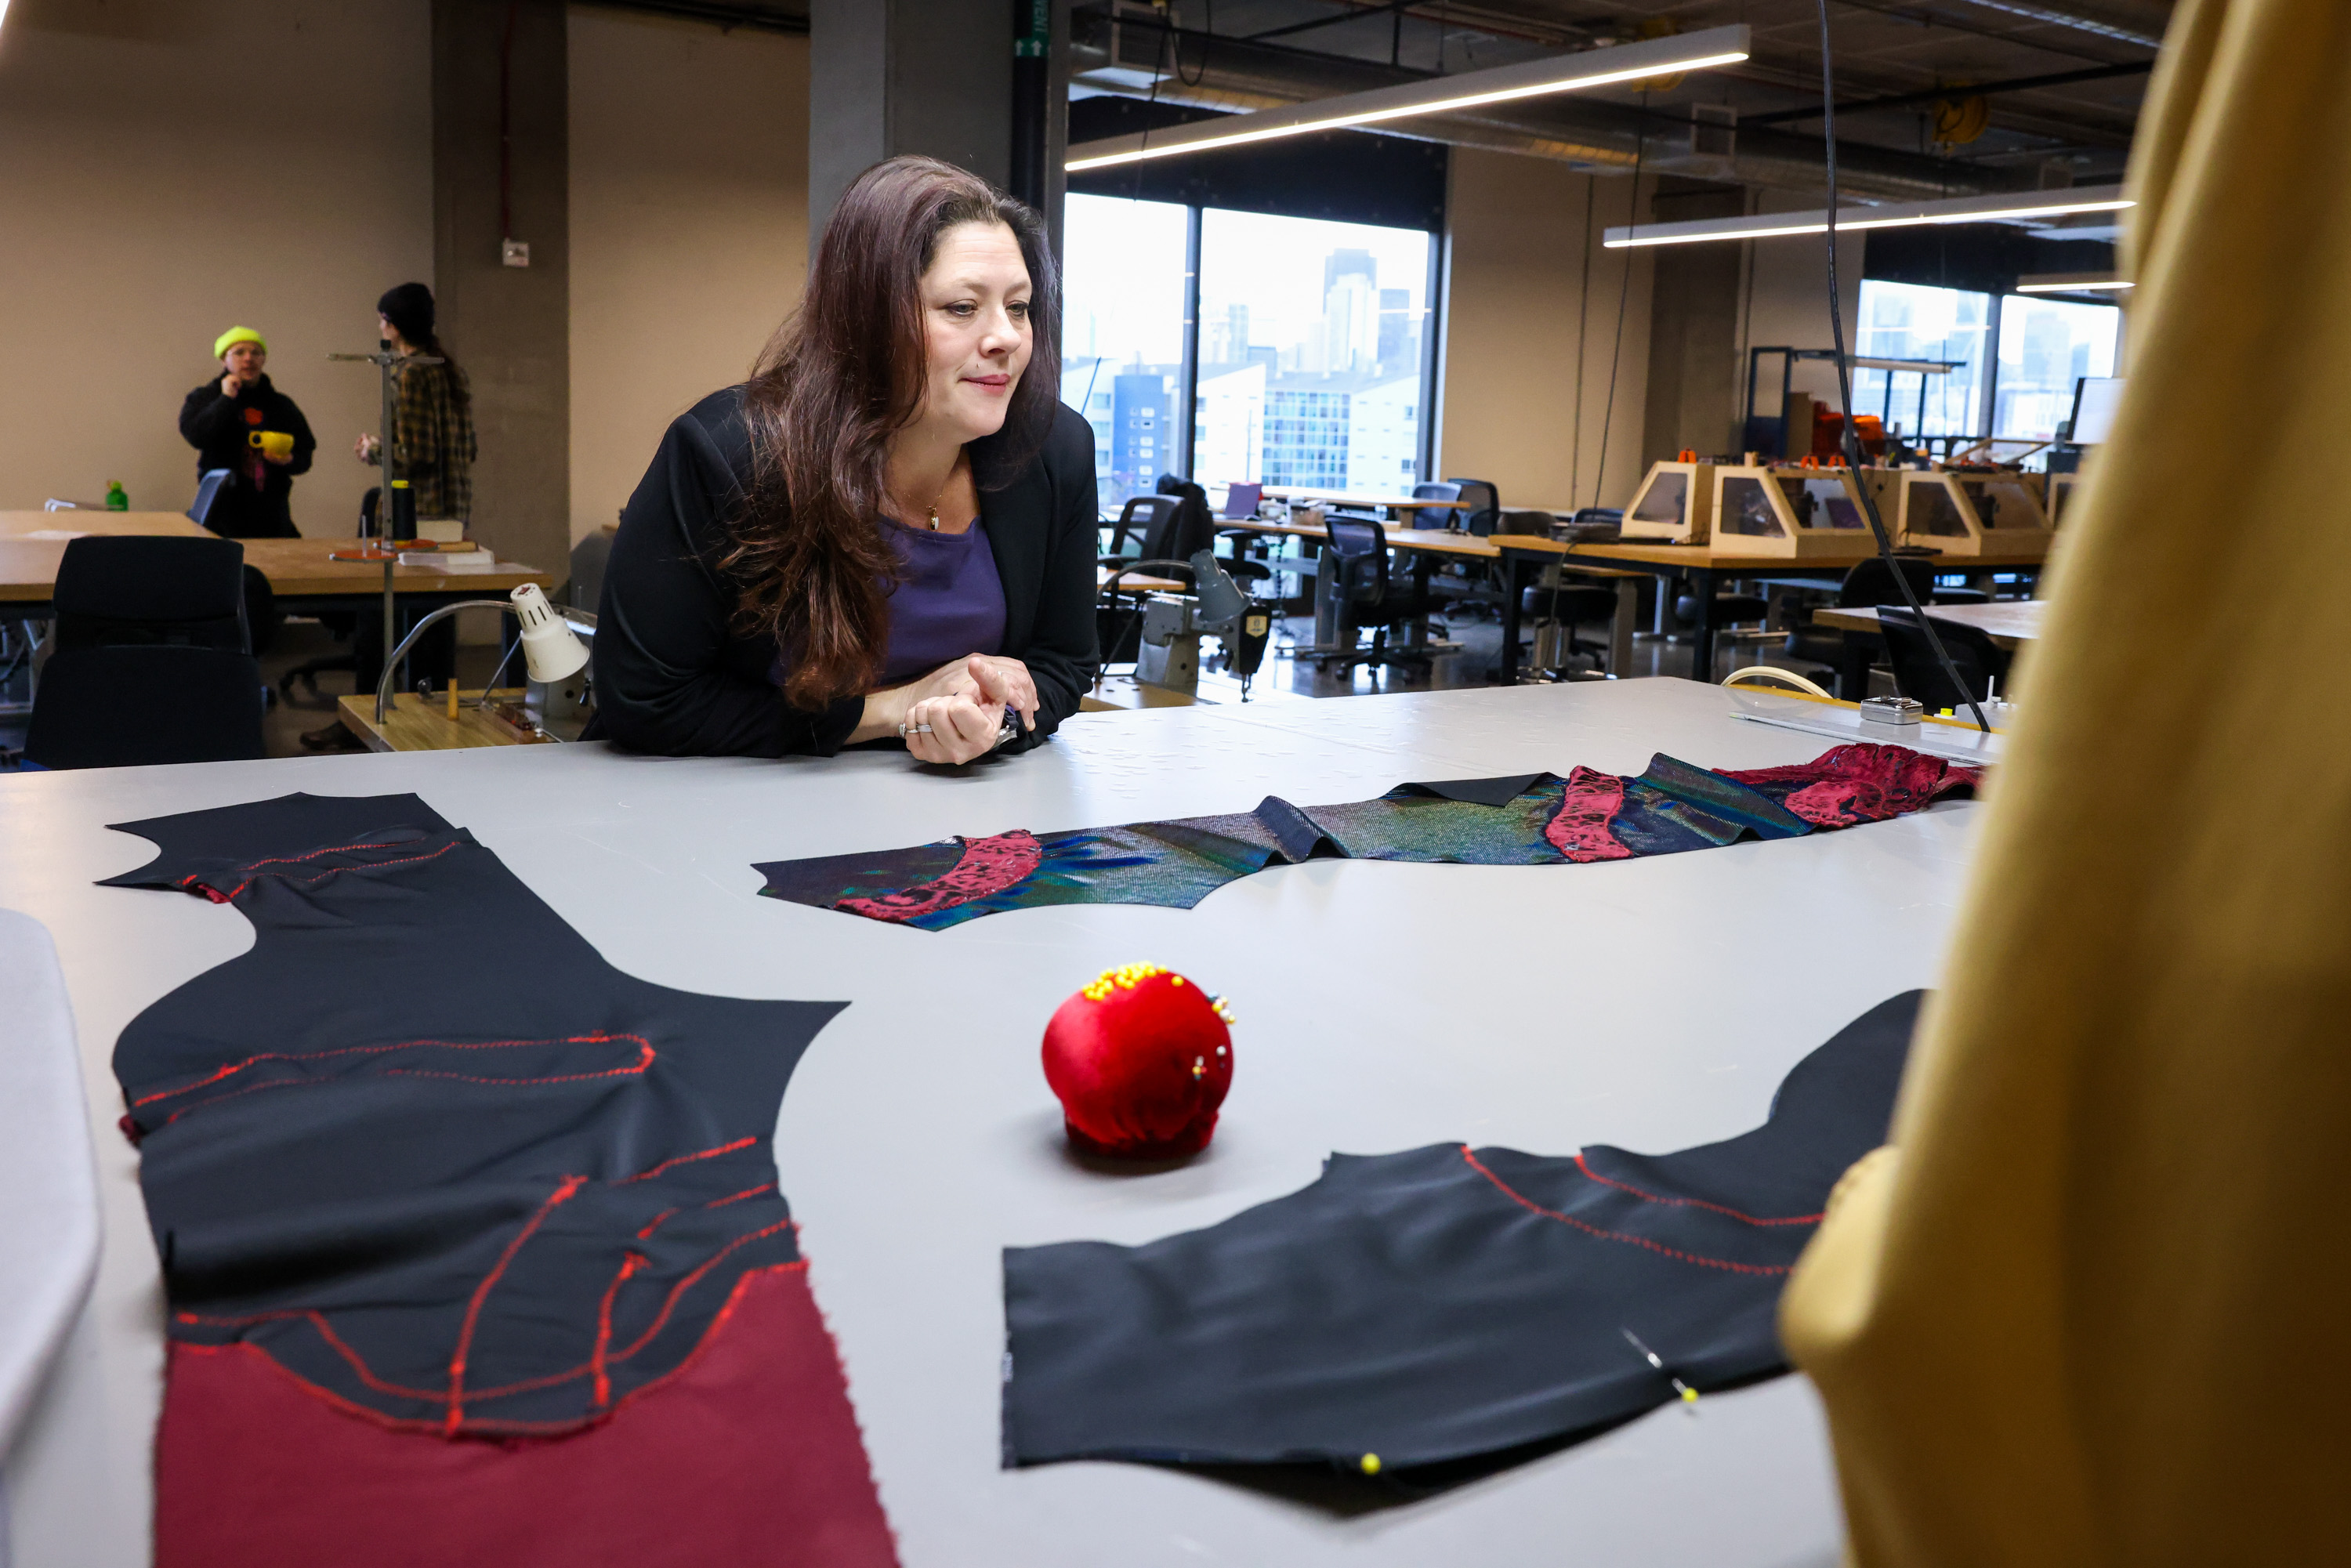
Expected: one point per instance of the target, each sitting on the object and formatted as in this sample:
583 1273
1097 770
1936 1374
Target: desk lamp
549 648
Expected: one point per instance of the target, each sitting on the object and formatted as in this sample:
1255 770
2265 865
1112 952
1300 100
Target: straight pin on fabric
1689 1394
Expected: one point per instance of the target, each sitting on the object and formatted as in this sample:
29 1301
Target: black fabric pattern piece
1479 791
1443 1303
423 1146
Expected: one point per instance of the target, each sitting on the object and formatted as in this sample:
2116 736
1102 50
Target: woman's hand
232 386
963 703
367 446
953 729
1005 682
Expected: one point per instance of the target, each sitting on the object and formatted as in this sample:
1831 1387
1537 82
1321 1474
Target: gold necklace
933 509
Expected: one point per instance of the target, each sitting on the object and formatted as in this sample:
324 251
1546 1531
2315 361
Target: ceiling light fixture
2009 207
2071 282
1439 95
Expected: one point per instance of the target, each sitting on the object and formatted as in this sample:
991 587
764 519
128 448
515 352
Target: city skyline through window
1311 346
2045 346
1910 321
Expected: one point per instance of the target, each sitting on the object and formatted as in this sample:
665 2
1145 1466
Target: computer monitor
1241 501
2095 400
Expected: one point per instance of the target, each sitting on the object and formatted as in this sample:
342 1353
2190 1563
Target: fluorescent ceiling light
1441 95
1923 367
2019 207
2071 282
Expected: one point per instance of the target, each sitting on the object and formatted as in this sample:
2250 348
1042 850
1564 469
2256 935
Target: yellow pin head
1371 1463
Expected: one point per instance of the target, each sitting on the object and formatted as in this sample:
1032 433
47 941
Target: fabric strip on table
422 1154
1526 819
1446 1302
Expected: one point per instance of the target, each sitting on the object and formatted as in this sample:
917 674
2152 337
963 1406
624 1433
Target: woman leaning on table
889 530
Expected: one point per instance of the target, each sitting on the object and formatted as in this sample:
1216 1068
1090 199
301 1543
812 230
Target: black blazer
672 673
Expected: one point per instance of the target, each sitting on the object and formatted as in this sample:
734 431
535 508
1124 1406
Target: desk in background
59 527
2007 621
1521 557
1707 565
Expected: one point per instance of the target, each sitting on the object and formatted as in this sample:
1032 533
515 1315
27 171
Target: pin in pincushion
1140 1060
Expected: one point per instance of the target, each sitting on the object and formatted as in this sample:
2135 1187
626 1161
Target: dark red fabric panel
748 1453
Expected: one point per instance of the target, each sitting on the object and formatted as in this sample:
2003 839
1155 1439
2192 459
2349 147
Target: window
1123 333
1909 321
2045 345
1312 352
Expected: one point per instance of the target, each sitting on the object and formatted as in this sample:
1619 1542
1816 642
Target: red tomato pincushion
1140 1060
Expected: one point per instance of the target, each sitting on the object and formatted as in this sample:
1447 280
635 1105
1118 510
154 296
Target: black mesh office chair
152 660
1435 517
1919 674
1485 505
1869 583
1367 594
1137 520
1173 524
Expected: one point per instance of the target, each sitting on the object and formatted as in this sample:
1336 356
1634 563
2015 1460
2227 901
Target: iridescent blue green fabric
1515 821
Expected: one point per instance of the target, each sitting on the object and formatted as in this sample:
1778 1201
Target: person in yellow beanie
237 421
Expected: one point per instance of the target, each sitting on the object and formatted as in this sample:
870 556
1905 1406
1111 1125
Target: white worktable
1650 1003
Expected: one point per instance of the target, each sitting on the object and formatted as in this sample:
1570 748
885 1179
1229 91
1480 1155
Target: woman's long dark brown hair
843 374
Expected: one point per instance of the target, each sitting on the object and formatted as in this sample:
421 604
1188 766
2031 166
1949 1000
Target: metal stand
385 361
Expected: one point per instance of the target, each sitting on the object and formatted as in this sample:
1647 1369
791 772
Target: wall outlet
514 252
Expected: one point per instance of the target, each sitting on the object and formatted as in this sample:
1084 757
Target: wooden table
83 520
413 722
1707 565
1302 495
2007 621
299 574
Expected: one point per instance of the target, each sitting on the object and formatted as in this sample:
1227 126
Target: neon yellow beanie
236 335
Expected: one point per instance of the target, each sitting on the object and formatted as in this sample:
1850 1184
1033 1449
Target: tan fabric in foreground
2093 1306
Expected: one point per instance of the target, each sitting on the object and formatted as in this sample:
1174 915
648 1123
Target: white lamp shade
548 646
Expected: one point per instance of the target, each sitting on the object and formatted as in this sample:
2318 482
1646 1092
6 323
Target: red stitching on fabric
481 1293
644 1060
685 1159
493 1425
1527 1203
656 1222
1692 1202
604 1391
503 1390
337 871
314 855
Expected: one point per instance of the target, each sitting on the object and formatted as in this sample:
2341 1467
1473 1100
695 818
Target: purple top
949 601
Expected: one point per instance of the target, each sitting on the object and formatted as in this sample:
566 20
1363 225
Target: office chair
1434 516
1918 675
208 489
152 660
1485 508
261 617
1866 584
1174 525
1366 594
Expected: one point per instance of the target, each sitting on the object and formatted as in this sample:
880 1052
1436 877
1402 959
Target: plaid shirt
433 439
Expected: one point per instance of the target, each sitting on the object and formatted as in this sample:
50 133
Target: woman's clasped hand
957 712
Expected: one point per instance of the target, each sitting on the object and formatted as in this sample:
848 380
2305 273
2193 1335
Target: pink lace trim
988 865
1580 830
1865 782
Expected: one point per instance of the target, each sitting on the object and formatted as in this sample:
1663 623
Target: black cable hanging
1845 390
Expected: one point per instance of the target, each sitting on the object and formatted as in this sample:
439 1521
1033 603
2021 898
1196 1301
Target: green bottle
116 501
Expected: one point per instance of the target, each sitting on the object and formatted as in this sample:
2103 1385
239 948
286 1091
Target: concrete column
1695 375
889 76
509 326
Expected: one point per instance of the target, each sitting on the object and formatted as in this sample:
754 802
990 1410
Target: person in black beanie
433 410
239 422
